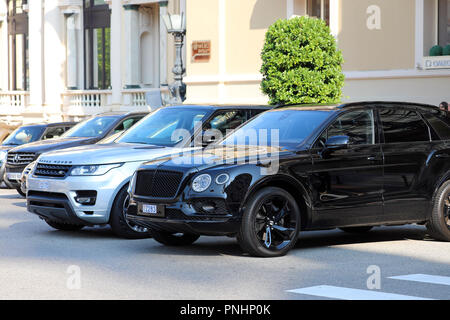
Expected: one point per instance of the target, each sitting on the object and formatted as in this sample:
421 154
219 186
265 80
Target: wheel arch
116 192
294 187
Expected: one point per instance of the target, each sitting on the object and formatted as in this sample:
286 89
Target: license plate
13 175
151 210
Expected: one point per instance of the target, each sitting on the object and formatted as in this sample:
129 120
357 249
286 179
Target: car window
92 127
164 126
229 120
359 126
24 135
440 124
126 124
402 125
265 129
53 132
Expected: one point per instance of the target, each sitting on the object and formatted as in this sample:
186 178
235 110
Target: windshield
92 127
159 127
285 128
24 135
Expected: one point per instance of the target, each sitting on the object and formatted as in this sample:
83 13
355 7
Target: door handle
373 158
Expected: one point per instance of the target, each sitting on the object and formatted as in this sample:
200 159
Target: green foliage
446 51
436 51
301 63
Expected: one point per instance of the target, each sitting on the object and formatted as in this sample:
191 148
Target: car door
406 148
347 181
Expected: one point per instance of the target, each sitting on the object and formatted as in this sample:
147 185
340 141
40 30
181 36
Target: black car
31 133
352 166
87 132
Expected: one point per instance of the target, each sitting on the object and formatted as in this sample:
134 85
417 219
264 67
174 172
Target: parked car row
277 172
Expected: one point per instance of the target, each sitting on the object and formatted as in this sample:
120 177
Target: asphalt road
37 262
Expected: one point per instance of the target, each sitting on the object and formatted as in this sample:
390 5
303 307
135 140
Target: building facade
65 59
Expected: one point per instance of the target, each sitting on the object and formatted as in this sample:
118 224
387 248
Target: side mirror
334 143
337 142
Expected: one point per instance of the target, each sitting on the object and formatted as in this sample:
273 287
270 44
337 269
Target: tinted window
289 128
126 124
440 124
401 125
359 126
53 132
158 128
92 127
24 135
229 120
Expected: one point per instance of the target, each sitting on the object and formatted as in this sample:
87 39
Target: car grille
20 158
158 183
51 170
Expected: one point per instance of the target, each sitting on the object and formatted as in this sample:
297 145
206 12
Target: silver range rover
86 186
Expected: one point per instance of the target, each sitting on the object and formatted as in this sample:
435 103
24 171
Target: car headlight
201 183
94 170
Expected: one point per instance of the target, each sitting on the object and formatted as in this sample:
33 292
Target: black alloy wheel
270 223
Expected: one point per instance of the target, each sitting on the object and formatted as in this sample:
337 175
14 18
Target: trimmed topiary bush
301 63
436 51
446 50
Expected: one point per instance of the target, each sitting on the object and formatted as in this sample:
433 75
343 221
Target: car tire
64 226
174 239
439 224
119 225
256 242
363 229
19 190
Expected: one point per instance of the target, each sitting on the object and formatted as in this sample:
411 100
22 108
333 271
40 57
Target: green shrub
436 51
446 51
301 63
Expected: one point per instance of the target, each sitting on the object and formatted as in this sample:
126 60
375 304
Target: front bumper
10 182
180 217
63 191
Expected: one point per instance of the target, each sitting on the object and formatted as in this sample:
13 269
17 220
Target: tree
301 63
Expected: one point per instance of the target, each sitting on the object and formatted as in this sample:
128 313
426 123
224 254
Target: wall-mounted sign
201 51
442 62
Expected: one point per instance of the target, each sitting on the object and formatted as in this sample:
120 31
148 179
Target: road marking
352 294
427 278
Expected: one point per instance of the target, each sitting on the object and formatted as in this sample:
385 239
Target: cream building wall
383 43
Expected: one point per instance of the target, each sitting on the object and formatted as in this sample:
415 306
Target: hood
217 156
42 146
107 153
6 147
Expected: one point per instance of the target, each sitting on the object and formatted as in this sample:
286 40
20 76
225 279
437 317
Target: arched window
18 45
97 44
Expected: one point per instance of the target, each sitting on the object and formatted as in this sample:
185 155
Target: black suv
30 133
352 167
87 132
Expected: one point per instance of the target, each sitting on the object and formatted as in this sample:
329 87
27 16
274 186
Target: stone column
116 54
132 49
36 59
162 44
72 50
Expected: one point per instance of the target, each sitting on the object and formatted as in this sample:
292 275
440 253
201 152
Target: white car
85 186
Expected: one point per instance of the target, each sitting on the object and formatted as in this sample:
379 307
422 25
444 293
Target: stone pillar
72 52
162 45
36 59
132 50
116 54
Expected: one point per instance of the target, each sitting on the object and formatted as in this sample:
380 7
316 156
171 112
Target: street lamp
176 25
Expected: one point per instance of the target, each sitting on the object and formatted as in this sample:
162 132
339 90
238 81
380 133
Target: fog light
208 207
86 198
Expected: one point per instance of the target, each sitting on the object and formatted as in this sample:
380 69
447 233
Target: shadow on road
315 239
